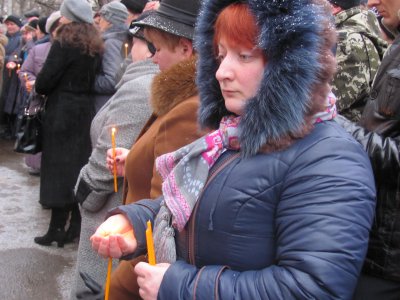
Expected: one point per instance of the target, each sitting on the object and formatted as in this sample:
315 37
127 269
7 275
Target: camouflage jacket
359 52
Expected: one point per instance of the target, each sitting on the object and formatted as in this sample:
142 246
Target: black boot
74 229
52 235
56 231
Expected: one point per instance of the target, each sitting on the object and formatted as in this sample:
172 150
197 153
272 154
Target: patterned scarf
185 172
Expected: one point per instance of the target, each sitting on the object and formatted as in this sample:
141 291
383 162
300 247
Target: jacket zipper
190 231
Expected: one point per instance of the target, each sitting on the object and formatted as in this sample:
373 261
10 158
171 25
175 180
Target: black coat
380 137
67 78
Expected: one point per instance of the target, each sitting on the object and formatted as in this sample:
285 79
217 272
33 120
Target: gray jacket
104 86
127 110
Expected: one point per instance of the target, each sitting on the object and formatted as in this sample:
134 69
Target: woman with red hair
276 202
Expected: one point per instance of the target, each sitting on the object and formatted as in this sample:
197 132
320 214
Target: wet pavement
27 270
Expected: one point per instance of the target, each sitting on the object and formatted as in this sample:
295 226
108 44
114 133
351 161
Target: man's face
12 28
389 10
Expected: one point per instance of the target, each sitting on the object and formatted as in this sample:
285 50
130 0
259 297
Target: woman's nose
224 70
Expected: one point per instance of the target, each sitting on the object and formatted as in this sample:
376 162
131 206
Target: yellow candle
18 67
150 244
109 268
126 50
113 130
26 77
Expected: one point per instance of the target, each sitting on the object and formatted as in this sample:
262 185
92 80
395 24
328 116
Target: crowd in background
161 74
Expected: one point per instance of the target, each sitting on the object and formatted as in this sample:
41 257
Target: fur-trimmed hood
173 86
290 36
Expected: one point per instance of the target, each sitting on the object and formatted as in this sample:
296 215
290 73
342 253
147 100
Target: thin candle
150 244
26 77
126 50
113 130
109 268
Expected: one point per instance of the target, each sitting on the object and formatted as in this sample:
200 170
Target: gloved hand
95 291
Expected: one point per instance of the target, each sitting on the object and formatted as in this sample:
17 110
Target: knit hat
134 6
114 12
42 24
177 17
16 20
78 11
52 19
345 4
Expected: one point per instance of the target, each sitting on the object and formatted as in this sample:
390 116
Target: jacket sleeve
127 112
138 214
384 152
322 224
106 80
53 69
357 61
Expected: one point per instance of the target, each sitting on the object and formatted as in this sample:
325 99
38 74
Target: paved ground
27 270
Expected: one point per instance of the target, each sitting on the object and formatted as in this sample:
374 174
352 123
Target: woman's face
165 57
239 74
389 10
103 24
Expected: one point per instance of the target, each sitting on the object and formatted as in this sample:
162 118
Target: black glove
95 291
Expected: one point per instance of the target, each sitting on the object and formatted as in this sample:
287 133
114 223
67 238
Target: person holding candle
31 68
173 123
127 112
278 201
115 34
67 78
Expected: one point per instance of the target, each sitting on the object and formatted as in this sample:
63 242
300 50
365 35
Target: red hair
237 25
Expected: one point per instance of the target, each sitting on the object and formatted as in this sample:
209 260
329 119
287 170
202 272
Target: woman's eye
245 57
219 58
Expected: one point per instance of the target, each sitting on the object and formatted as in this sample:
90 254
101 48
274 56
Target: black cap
16 20
42 24
177 17
346 4
135 6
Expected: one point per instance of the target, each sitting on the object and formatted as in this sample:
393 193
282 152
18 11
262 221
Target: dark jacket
285 225
379 134
67 78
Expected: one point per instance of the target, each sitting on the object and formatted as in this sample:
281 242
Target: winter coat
114 39
359 52
34 62
127 111
379 134
10 78
172 125
273 224
67 78
3 43
284 225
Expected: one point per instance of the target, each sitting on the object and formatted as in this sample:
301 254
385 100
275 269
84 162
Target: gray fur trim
290 33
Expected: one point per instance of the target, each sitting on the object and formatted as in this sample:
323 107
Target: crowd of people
260 139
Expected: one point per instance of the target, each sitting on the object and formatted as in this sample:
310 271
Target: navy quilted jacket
287 225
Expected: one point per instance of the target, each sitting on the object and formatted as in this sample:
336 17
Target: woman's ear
186 47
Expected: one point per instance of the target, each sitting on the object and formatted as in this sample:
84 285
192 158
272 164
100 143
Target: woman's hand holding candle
114 237
120 157
150 278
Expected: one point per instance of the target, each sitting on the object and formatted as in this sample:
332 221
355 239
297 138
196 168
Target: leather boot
52 235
